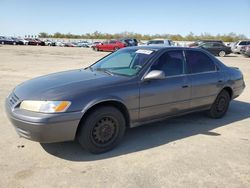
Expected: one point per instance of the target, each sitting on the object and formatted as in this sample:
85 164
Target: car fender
96 101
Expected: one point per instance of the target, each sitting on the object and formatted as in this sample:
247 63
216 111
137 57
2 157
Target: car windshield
127 62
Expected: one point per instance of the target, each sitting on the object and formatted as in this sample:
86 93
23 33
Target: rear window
156 42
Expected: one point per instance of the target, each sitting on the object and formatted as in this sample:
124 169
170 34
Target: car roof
156 48
211 42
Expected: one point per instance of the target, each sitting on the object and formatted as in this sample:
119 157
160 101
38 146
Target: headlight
45 106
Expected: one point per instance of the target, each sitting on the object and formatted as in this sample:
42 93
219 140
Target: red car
111 45
36 42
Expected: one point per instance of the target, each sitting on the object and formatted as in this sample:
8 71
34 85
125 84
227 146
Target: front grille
13 100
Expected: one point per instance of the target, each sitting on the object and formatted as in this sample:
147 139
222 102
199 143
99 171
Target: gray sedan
127 88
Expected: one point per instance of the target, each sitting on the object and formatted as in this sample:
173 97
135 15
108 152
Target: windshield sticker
144 51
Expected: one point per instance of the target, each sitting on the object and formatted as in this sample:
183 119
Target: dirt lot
190 151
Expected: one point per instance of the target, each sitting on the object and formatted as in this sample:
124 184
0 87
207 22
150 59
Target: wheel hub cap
104 130
221 105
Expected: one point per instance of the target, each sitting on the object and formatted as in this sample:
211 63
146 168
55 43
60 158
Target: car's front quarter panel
126 93
42 127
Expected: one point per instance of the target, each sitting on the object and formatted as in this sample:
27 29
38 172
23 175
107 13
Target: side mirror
155 75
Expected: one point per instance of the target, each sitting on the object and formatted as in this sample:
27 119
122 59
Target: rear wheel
222 53
102 130
220 105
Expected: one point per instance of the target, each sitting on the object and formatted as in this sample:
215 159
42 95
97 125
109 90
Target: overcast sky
22 17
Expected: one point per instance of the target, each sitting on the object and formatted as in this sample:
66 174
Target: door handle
220 81
185 86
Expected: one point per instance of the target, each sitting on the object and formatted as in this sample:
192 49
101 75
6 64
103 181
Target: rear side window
199 62
207 45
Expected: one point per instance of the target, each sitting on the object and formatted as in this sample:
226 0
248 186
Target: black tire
102 130
220 105
95 49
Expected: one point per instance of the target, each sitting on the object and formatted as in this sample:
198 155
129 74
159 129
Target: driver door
169 96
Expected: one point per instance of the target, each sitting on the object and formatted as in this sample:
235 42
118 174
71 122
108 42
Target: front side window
199 62
171 63
127 62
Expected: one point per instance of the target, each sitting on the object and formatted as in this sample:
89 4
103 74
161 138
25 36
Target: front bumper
44 128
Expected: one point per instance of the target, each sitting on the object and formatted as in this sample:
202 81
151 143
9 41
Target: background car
199 42
245 50
6 40
160 42
236 48
59 43
83 44
111 45
70 44
25 42
32 41
216 48
17 41
91 45
49 42
129 41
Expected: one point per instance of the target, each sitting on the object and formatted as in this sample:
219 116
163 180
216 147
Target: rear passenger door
206 79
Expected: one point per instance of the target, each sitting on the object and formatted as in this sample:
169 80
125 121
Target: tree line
230 37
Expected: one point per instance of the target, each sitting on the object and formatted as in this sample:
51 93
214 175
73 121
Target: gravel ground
190 151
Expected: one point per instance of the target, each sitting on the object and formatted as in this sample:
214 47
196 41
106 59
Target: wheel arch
108 102
229 90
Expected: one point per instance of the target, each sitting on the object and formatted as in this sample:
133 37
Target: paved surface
190 151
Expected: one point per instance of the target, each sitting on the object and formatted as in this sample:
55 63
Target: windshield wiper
104 70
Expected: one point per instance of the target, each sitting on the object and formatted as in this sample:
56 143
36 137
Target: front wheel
222 53
102 130
95 49
220 105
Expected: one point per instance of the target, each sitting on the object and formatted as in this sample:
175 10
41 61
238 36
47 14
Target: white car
25 42
160 42
90 45
237 47
60 44
83 44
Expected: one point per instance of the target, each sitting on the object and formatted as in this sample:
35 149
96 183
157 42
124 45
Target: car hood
65 85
